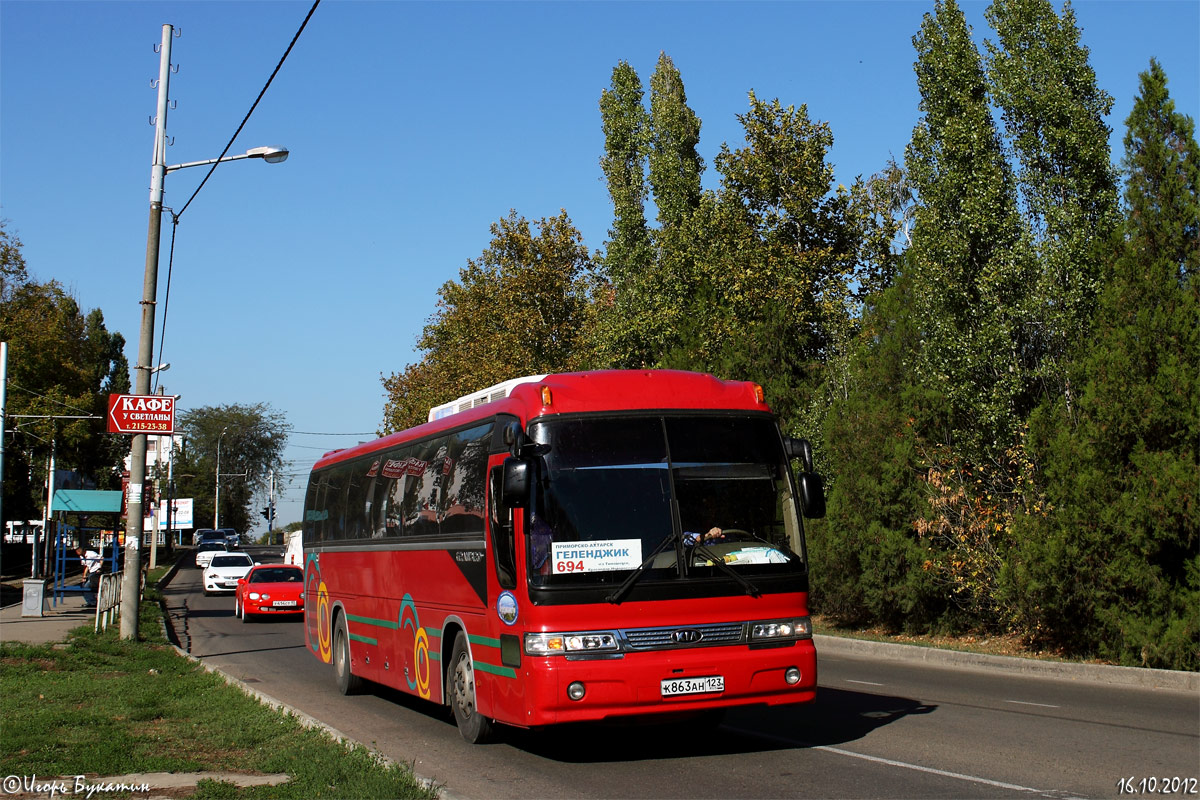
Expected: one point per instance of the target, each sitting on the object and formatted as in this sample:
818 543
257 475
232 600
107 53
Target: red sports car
270 589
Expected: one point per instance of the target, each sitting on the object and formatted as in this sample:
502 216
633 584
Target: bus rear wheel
473 726
347 681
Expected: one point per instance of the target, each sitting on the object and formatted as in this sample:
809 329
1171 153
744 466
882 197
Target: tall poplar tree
675 166
967 262
625 125
622 316
1053 113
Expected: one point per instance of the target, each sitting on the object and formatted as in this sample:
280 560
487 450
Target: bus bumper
632 685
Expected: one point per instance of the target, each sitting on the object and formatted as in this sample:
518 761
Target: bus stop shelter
82 502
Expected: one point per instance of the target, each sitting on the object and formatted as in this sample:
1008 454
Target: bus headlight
554 644
798 628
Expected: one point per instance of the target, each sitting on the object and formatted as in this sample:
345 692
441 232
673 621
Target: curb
305 719
1160 679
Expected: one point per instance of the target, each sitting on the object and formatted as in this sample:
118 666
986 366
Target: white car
205 552
226 569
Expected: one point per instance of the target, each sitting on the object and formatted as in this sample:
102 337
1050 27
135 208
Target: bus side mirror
514 492
812 495
514 437
801 449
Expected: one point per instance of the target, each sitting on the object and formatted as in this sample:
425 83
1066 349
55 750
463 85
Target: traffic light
266 512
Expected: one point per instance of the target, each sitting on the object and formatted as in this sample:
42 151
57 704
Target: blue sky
413 126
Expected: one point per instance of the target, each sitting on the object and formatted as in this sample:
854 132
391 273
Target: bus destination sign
135 413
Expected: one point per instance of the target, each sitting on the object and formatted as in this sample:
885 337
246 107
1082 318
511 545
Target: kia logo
687 636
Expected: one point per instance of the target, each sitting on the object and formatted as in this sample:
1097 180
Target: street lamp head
271 155
159 368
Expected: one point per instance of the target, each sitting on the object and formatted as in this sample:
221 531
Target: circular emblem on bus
686 636
506 608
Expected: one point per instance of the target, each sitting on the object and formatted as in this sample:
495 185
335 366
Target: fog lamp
792 676
576 691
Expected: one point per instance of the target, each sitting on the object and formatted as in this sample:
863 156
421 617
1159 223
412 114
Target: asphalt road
879 729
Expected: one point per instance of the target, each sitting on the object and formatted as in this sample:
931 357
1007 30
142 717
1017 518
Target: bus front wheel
347 681
473 726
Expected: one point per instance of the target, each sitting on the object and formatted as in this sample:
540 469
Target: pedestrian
92 563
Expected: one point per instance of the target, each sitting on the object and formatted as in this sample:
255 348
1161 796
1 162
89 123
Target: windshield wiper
720 564
619 592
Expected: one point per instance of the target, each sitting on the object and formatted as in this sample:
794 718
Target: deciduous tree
1053 113
251 438
62 362
969 267
521 308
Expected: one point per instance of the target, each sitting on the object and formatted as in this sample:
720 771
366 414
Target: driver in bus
540 538
713 534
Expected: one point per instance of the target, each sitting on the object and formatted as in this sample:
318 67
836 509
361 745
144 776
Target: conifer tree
1114 568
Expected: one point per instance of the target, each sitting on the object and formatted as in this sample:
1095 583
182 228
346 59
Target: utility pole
3 418
131 585
46 512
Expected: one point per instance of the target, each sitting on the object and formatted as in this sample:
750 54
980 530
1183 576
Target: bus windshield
672 493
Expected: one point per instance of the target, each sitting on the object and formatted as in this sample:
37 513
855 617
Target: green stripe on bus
432 632
382 623
364 639
503 672
483 640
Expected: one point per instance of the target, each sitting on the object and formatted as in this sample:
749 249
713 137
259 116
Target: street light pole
131 584
131 588
217 488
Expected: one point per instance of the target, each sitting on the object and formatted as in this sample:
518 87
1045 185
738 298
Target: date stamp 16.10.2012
1159 786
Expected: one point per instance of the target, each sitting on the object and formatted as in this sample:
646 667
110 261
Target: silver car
222 575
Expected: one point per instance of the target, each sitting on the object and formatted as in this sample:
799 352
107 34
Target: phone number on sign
148 427
1158 785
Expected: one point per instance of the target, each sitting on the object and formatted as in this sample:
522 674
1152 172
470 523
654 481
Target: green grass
105 707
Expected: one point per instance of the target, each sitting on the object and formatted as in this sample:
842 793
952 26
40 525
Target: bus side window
357 486
312 512
500 521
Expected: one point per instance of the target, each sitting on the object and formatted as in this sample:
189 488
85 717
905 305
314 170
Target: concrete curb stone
1163 679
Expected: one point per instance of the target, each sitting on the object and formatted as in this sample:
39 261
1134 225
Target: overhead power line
246 119
175 217
354 433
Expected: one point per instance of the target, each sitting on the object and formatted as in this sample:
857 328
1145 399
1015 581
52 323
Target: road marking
943 773
864 683
903 764
1039 705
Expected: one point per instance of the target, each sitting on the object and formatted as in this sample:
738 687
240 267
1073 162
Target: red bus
575 547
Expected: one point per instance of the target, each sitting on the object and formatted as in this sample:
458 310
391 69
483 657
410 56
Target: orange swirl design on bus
421 654
323 636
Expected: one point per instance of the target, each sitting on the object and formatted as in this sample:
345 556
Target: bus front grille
684 636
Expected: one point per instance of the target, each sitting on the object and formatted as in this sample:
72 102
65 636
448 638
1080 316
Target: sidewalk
58 621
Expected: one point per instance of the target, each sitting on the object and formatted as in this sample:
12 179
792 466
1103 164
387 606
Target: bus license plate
673 687
280 603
